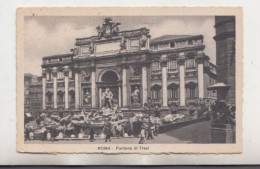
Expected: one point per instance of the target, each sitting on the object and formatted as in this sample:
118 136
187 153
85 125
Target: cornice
57 56
177 50
224 35
56 64
231 19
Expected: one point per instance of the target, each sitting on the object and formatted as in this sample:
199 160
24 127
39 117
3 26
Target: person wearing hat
91 135
149 132
157 111
107 132
145 109
142 136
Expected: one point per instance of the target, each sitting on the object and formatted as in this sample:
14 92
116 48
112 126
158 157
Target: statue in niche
123 44
143 41
108 98
87 98
136 96
91 48
75 51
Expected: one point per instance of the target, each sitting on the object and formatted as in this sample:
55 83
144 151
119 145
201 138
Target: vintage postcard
129 80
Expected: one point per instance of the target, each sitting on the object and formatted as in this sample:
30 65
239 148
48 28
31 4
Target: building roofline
202 47
174 39
57 56
212 63
119 33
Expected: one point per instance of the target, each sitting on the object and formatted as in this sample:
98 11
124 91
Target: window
156 66
172 44
60 97
49 76
134 43
190 63
191 92
212 81
72 96
173 93
85 49
164 45
55 60
27 92
49 98
60 75
70 74
190 42
155 47
27 101
171 65
156 93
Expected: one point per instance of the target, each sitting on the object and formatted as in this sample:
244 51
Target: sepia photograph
163 82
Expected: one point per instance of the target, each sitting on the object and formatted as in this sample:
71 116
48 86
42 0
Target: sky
51 35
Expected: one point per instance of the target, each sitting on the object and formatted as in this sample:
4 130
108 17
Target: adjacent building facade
32 94
168 69
226 58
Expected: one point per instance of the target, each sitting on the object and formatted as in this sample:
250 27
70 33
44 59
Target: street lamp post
149 106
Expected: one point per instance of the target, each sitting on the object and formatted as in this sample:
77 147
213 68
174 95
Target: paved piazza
195 133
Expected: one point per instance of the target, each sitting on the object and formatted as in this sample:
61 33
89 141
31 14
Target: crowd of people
106 122
75 125
109 122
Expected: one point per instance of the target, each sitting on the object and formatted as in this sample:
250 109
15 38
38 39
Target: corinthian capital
181 61
54 73
200 58
125 66
66 72
146 63
76 69
163 62
43 74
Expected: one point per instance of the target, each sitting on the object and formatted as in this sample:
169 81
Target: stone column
124 84
164 81
119 96
181 63
66 81
43 89
100 97
144 81
54 74
148 42
77 70
93 87
200 61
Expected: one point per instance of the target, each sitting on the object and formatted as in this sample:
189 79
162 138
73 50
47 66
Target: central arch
109 76
106 72
110 79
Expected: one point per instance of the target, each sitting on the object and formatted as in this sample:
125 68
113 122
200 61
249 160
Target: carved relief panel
86 74
135 70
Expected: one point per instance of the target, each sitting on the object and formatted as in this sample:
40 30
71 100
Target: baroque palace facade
168 69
